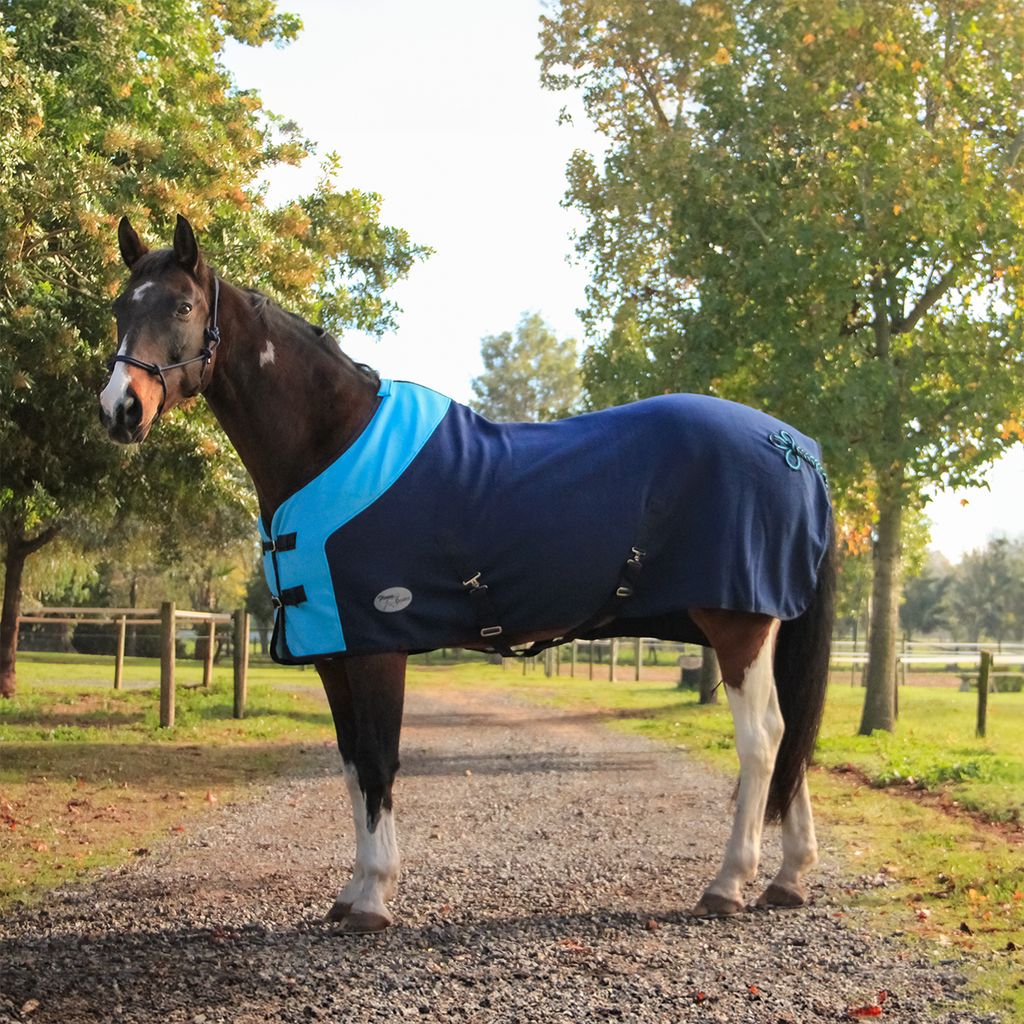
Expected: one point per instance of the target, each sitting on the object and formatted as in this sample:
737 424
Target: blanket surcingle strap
436 528
487 616
479 594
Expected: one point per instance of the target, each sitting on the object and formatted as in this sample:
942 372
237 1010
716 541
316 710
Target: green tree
111 107
922 611
985 597
814 209
529 377
1013 619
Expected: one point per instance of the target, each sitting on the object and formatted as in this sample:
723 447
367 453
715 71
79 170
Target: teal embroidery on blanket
784 441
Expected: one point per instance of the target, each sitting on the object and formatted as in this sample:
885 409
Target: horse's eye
184 309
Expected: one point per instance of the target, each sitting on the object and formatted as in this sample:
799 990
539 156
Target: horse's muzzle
123 420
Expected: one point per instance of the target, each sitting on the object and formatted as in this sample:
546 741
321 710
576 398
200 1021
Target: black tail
802 652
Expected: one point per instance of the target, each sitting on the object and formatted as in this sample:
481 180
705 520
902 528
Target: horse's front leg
745 647
366 695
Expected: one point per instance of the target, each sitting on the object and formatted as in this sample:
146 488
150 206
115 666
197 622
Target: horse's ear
132 247
186 251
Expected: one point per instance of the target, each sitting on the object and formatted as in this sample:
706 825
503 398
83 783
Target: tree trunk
19 547
880 693
14 566
880 678
709 676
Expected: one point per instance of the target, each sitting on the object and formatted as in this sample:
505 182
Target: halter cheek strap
211 339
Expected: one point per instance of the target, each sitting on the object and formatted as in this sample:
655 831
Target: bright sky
436 105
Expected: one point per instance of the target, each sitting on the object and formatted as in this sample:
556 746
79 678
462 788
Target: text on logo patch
394 599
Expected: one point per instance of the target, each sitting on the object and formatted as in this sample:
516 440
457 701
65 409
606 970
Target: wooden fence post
614 665
167 626
639 657
983 670
575 652
241 660
208 663
119 657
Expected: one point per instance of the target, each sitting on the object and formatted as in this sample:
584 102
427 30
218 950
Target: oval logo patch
393 599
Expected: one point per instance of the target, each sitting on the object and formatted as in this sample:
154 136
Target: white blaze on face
114 394
267 354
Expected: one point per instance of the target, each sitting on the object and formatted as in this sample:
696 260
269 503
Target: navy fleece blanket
382 551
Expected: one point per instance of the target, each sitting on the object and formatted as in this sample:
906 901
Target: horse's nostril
131 410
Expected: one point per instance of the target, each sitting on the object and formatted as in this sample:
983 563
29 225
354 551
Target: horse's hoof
782 896
363 921
713 905
338 912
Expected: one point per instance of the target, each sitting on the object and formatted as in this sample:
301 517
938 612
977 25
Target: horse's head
166 329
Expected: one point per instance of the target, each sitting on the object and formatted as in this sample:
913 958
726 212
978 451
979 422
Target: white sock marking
375 877
759 726
799 845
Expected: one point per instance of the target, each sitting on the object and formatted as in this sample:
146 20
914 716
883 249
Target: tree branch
58 282
928 299
41 539
652 96
760 230
25 546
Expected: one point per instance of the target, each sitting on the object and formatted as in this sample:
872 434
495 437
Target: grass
89 779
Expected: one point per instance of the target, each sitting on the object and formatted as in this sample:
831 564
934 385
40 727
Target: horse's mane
264 307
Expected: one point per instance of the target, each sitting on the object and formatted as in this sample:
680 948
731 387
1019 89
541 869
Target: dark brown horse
296 407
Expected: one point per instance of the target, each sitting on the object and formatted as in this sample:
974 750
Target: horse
698 520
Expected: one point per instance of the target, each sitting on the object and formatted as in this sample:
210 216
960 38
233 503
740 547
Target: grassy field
89 779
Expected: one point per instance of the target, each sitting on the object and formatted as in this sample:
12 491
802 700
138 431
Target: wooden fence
975 658
954 659
169 619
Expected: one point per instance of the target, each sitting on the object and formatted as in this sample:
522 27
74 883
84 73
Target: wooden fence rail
168 620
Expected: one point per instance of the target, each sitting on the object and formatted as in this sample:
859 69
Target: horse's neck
288 407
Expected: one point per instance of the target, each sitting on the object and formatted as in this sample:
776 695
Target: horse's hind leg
366 697
799 853
744 643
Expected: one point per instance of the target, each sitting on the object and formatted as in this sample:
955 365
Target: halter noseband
211 337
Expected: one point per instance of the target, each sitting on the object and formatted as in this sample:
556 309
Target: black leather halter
211 337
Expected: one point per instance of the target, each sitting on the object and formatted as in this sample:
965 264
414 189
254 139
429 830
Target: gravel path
548 865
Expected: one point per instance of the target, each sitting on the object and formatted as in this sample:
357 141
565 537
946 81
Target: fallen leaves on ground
874 1010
